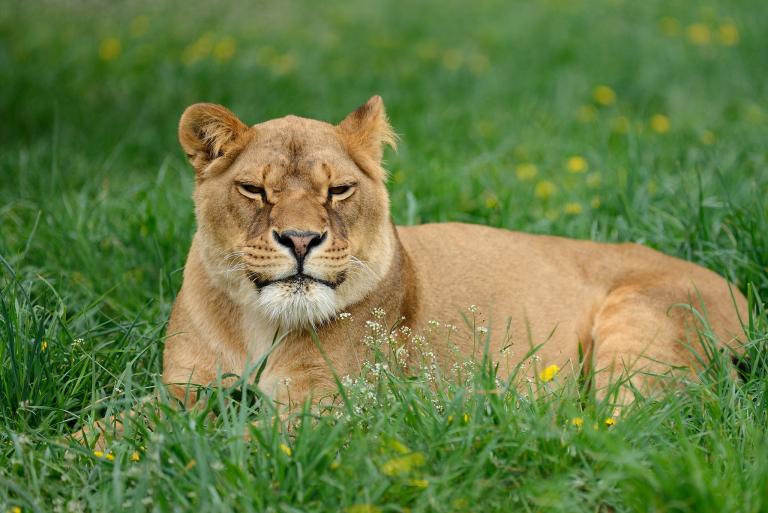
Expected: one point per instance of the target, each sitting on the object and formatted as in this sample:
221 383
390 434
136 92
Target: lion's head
292 213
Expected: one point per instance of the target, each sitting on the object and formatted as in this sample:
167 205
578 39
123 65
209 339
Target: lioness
293 228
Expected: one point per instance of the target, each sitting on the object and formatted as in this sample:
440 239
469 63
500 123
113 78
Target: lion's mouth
299 280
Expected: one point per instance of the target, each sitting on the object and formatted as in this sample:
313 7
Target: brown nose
300 243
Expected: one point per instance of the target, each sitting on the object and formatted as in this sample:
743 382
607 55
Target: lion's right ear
207 132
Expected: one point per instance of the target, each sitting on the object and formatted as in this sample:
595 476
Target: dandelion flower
669 26
604 95
110 49
135 456
621 125
44 346
545 189
452 60
660 123
699 34
398 446
577 421
577 164
403 464
285 449
728 34
419 483
224 49
14 509
98 454
109 456
708 137
610 421
363 508
466 418
526 171
549 373
573 208
491 201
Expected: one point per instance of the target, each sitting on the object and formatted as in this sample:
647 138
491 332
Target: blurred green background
605 119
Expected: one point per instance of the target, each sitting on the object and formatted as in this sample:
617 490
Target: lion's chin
297 304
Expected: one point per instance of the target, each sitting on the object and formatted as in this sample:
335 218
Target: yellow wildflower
466 418
419 483
728 34
708 137
363 508
98 454
577 164
335 464
491 201
545 189
14 509
587 113
198 50
604 95
461 504
621 125
135 456
398 446
286 450
526 171
110 49
699 34
549 373
110 456
450 419
403 464
660 123
669 26
610 421
427 50
452 60
44 346
572 208
577 421
224 49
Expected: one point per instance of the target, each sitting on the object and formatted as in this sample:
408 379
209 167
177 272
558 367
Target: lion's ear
366 130
208 131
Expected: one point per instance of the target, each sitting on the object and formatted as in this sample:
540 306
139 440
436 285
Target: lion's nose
300 243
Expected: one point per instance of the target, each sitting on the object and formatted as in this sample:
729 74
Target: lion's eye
341 191
251 191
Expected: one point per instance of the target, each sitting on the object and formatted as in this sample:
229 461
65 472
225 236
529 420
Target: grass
492 101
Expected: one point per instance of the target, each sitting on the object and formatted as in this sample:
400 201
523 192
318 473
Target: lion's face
295 208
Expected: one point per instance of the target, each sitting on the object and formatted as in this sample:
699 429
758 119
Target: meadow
608 120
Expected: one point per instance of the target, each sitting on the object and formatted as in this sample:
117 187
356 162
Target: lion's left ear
365 132
207 132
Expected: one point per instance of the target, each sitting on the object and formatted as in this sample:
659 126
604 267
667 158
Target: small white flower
344 316
473 308
378 313
481 330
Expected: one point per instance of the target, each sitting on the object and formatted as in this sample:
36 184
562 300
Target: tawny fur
620 305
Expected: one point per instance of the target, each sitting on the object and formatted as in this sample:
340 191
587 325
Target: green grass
96 218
